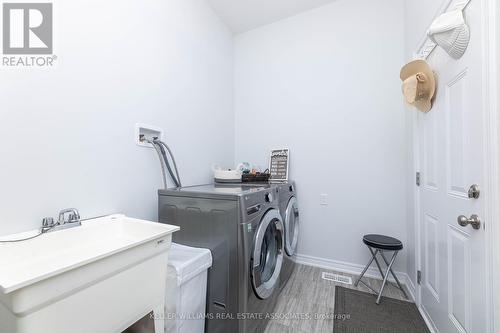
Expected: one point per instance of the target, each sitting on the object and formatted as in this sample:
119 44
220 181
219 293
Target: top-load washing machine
243 228
289 210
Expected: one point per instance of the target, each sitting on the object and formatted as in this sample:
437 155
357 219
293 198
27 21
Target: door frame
492 39
491 163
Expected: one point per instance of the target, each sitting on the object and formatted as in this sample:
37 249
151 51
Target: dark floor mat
356 312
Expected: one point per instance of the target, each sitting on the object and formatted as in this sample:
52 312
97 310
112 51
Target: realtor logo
27 28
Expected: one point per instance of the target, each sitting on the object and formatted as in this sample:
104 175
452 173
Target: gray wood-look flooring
306 303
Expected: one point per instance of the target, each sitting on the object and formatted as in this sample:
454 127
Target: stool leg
386 276
376 261
366 268
394 275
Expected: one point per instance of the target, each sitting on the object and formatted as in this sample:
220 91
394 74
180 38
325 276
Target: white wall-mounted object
323 199
149 132
85 279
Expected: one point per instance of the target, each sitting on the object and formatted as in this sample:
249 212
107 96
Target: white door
452 260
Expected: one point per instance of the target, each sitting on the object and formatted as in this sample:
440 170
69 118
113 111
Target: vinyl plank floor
306 303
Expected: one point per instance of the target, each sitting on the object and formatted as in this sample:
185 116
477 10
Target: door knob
474 192
474 221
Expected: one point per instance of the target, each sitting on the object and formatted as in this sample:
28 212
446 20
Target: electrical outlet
143 131
323 199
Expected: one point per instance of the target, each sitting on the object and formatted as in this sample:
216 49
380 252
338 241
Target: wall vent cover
336 278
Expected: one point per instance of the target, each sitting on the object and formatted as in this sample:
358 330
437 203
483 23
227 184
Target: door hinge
417 178
419 277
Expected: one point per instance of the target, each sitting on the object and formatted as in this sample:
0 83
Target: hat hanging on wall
419 84
451 33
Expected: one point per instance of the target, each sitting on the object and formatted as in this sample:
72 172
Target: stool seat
383 242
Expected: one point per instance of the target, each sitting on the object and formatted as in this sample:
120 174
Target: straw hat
419 84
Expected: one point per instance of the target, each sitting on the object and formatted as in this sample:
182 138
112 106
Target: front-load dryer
289 210
242 227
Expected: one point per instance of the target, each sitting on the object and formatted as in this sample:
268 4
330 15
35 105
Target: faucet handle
48 222
73 216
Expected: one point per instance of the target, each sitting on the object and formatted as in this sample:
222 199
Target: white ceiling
244 15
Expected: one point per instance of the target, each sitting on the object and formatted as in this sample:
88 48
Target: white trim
354 269
428 320
491 165
411 288
416 202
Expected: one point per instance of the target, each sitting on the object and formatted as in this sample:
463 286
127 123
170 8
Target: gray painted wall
328 82
68 132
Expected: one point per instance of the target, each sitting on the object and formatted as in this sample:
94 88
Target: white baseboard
428 321
354 269
411 288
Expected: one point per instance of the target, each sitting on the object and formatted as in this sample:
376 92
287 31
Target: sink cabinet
107 292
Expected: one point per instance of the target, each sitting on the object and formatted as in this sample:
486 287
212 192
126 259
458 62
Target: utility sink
100 277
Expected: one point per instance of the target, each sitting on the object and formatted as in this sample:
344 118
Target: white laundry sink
100 277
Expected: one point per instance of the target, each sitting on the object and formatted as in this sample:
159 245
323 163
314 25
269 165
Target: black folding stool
379 244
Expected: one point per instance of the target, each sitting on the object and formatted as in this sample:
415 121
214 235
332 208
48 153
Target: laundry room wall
68 131
325 83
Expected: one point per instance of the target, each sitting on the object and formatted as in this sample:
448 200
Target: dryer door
268 254
291 226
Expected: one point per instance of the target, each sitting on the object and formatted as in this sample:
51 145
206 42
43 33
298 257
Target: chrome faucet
73 217
68 218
